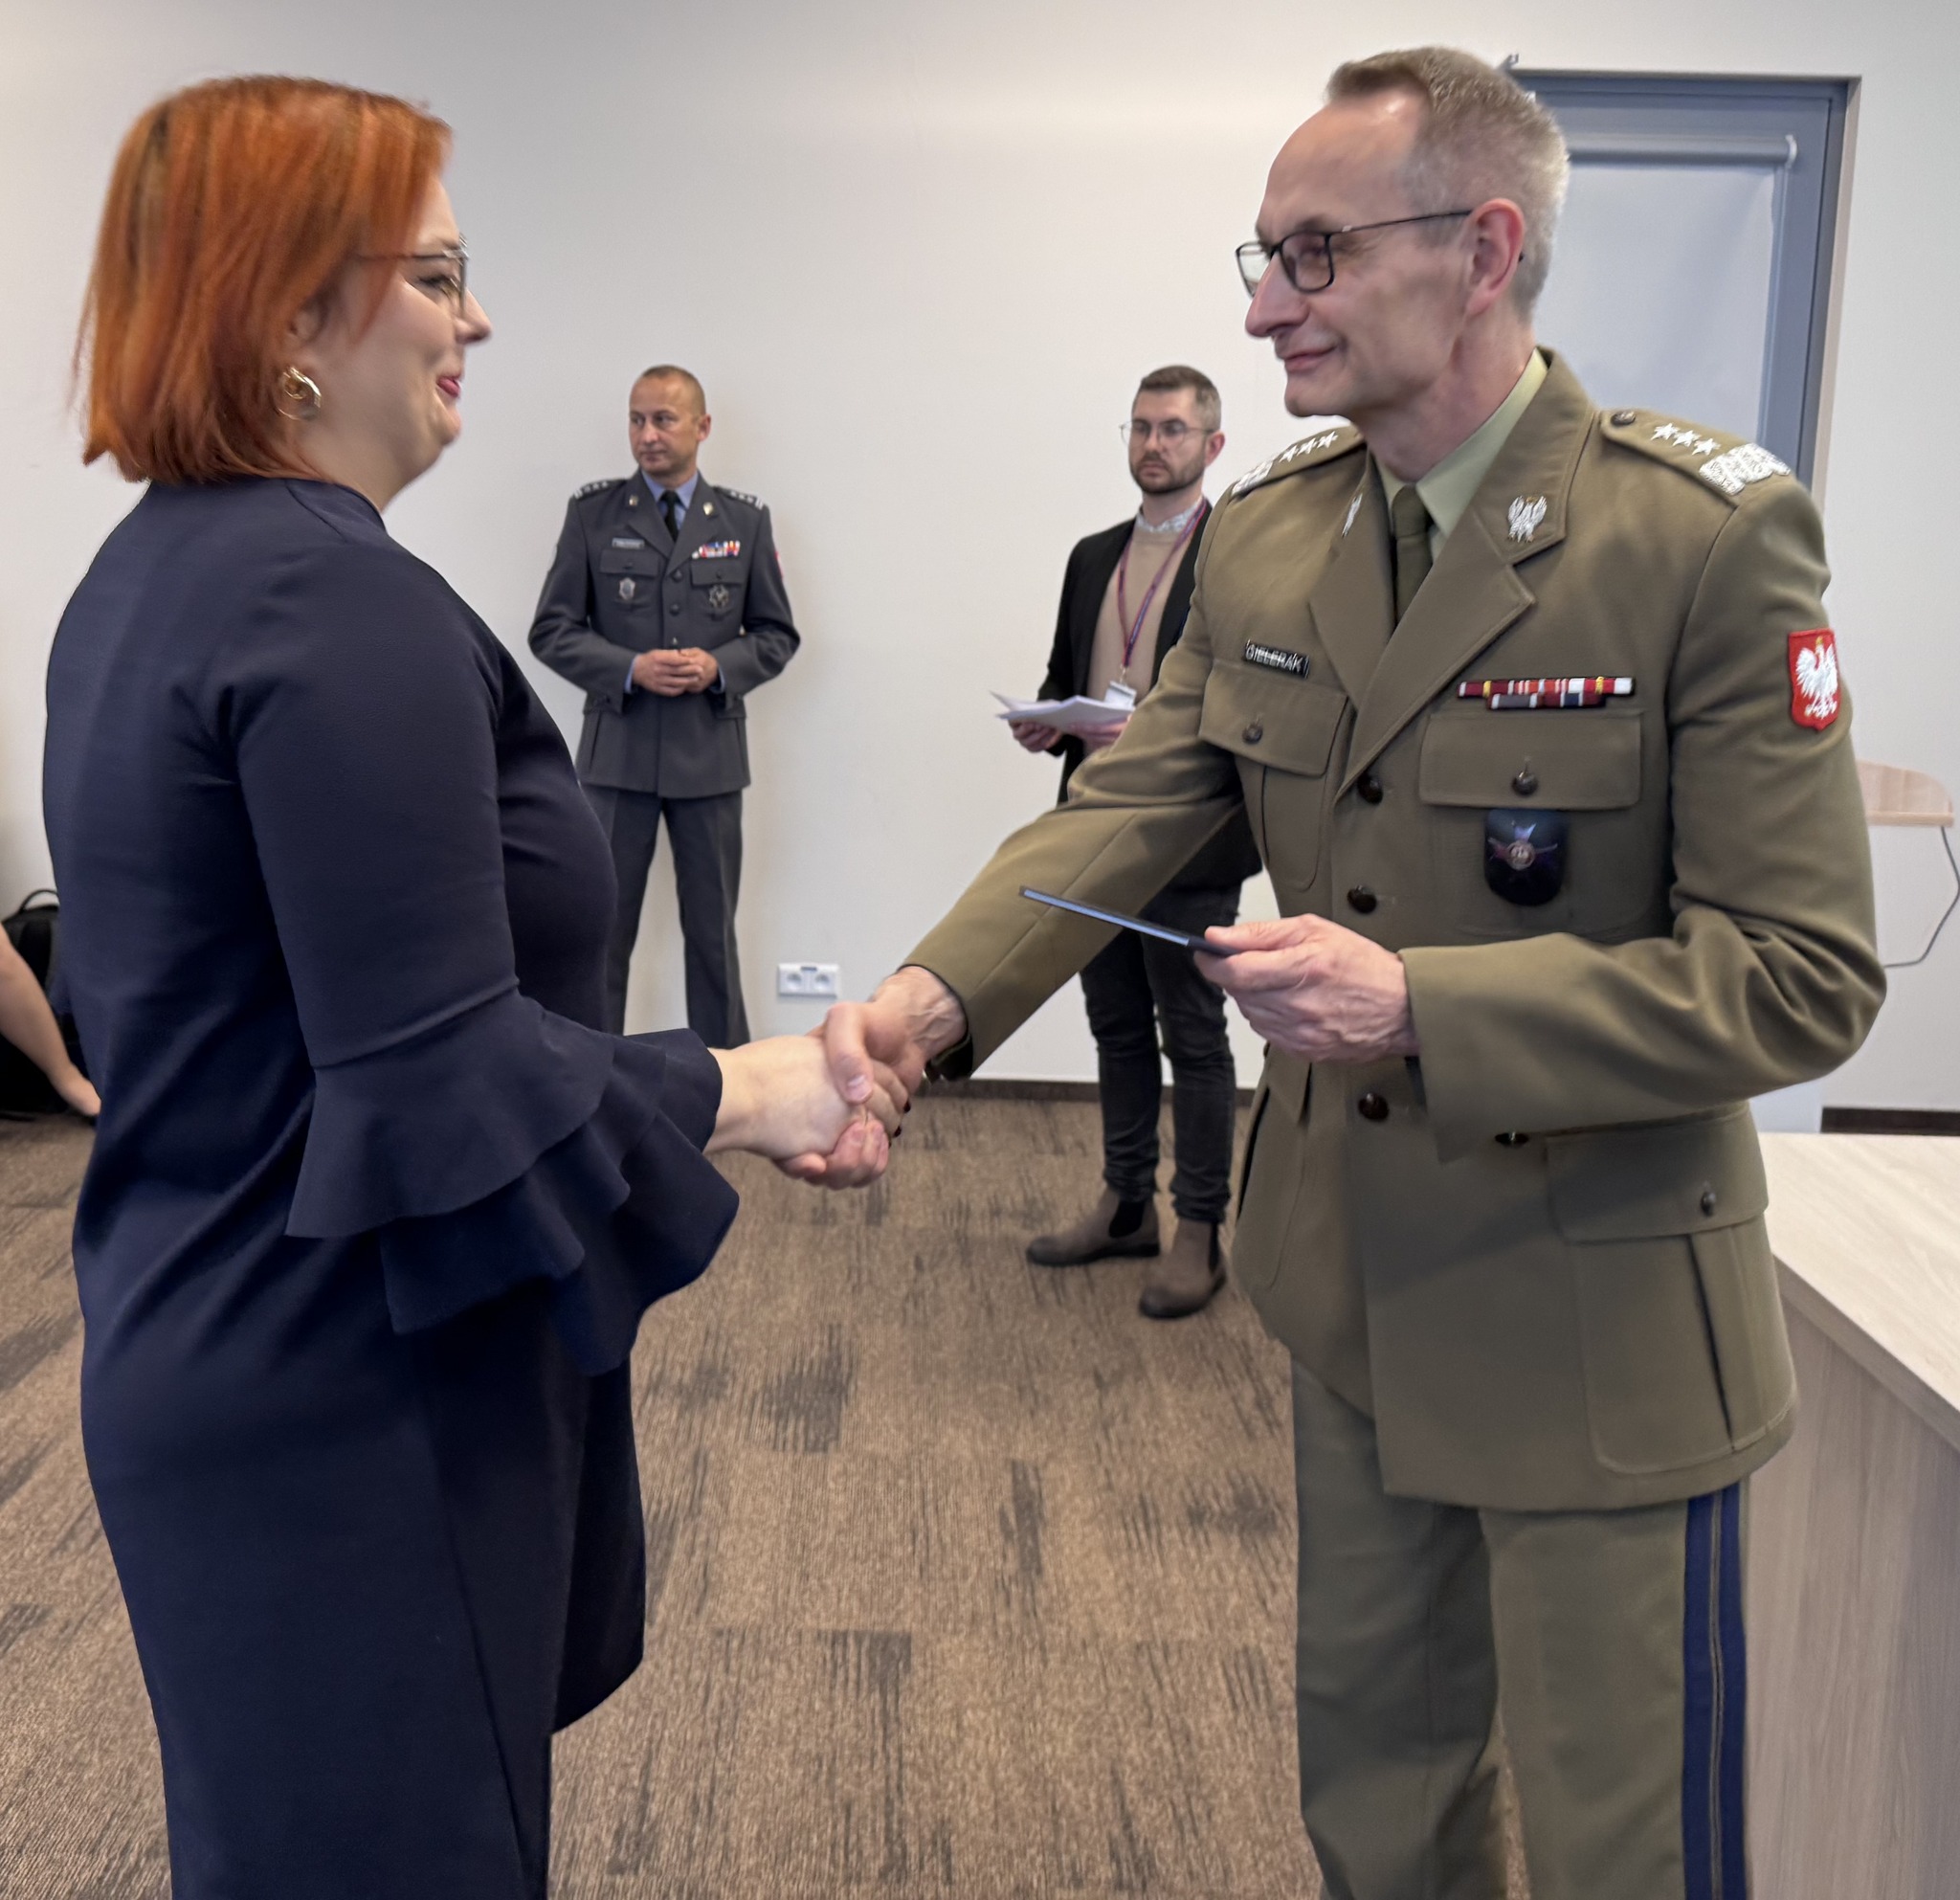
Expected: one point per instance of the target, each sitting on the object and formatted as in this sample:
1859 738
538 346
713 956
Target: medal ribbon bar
1522 695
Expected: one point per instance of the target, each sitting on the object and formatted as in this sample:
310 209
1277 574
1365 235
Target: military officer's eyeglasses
1170 433
442 277
1308 257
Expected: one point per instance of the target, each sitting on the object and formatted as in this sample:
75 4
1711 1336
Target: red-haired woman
374 1211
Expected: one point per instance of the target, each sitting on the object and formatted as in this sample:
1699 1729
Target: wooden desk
1854 1530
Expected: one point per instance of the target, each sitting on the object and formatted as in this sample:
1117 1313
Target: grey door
1693 270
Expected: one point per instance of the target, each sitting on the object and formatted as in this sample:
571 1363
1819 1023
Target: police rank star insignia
1281 660
1527 695
1526 512
717 551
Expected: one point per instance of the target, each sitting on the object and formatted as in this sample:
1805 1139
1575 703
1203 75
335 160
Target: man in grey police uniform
1538 700
666 603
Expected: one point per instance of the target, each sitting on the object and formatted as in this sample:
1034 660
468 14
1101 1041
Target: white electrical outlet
805 979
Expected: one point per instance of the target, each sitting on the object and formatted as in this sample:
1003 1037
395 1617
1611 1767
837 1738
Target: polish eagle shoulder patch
1814 689
1310 452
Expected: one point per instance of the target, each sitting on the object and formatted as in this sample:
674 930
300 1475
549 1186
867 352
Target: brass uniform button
1526 783
1371 1107
1362 898
1624 418
1370 787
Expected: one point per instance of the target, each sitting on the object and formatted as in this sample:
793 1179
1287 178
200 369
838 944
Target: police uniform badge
719 598
628 588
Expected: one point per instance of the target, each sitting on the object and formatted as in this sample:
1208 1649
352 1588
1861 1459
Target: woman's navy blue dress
373 1209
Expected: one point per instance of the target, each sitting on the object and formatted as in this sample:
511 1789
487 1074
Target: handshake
826 1107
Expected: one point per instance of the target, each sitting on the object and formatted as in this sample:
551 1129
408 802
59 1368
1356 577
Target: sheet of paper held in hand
1076 714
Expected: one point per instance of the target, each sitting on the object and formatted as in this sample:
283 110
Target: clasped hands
1309 986
670 672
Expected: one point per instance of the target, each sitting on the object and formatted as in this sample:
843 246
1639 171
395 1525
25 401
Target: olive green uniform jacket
1536 1254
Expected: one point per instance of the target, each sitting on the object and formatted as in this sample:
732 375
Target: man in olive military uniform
1537 719
666 603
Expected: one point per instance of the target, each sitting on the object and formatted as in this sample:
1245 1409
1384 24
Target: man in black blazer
1123 601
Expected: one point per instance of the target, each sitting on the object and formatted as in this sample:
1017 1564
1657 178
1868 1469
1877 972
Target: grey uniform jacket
619 586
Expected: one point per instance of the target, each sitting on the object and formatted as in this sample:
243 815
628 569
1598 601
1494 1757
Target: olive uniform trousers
1618 1637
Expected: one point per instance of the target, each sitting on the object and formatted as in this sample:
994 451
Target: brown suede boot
1184 1281
1111 1229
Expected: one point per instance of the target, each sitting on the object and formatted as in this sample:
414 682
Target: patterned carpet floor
966 1579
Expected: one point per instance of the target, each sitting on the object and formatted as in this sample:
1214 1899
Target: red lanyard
1133 631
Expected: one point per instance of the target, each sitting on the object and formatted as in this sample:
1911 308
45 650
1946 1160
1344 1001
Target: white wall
918 257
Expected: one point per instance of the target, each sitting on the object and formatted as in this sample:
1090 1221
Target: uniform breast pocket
718 589
1282 732
1582 765
627 580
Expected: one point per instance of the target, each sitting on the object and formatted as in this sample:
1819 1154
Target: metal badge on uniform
717 551
1281 658
1814 678
1524 855
628 588
719 598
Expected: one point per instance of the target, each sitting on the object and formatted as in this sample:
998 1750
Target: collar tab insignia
1525 516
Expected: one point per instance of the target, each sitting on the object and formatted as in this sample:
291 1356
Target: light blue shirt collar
685 491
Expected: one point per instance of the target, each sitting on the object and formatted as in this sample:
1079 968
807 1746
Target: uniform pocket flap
714 573
627 561
1670 1178
1572 761
1272 720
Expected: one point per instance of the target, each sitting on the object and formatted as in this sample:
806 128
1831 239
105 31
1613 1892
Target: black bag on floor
24 1090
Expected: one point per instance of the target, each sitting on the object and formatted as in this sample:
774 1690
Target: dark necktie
1412 546
670 513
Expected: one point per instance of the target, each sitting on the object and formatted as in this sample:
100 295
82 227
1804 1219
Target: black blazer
1230 858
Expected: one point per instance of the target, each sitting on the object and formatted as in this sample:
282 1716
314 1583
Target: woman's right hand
778 1099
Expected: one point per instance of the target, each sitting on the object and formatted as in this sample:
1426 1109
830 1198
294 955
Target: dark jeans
1134 986
706 836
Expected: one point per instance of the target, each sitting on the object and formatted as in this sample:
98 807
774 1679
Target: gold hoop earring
299 390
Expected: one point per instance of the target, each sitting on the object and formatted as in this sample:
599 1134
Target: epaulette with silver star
1309 453
736 495
1724 462
593 487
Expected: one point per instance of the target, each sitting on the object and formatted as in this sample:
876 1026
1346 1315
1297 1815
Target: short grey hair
1484 135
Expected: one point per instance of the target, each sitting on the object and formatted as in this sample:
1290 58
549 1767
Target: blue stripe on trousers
1715 1686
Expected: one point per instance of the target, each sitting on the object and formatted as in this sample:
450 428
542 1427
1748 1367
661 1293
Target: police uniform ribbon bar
717 551
1522 695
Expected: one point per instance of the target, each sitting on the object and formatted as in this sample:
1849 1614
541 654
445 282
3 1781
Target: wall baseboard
1891 1121
1006 1089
